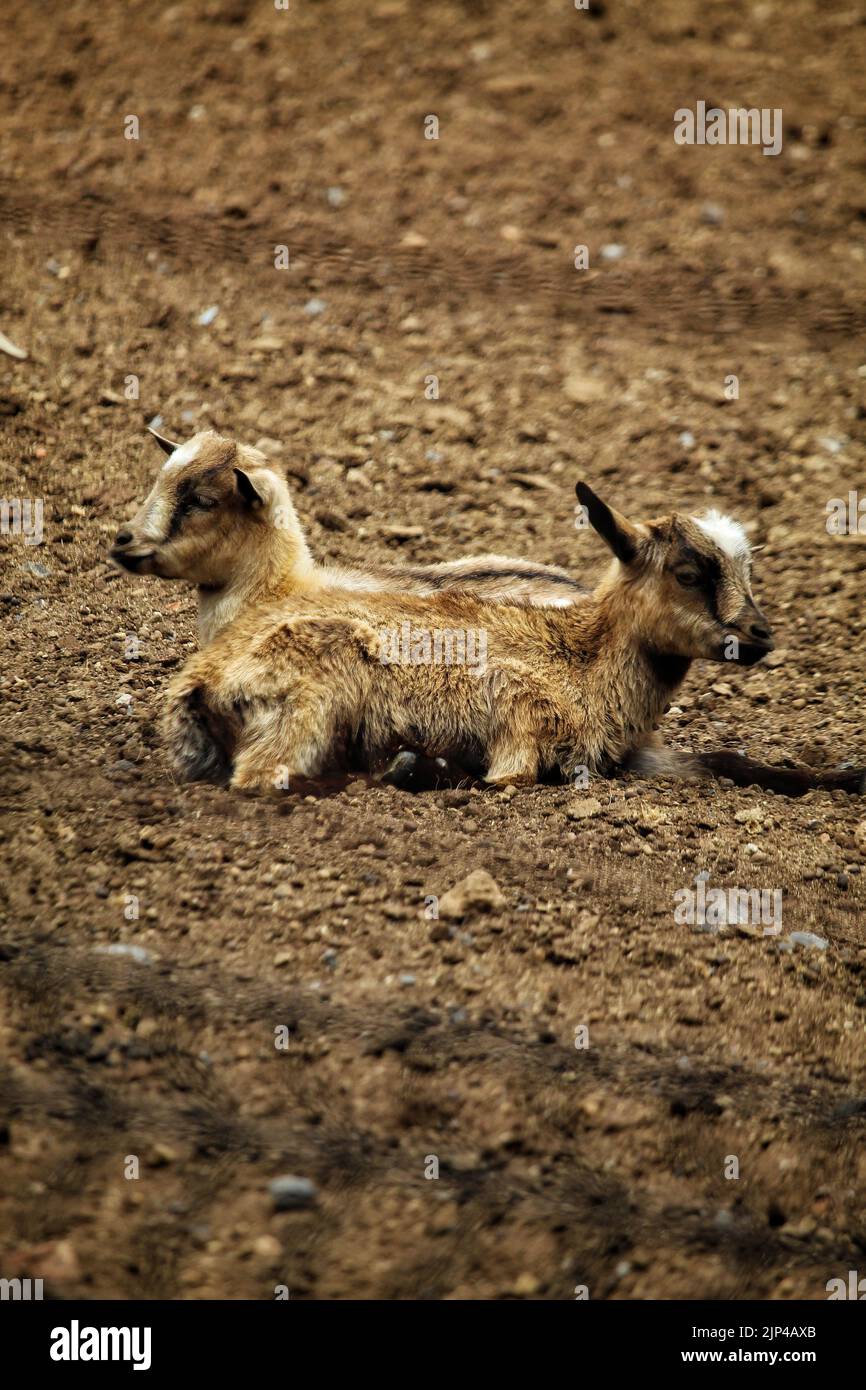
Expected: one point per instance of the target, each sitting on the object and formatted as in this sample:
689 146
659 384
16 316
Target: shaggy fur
221 518
295 687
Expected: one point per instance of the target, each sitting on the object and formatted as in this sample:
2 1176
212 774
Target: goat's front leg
512 762
282 742
528 725
308 680
513 746
200 730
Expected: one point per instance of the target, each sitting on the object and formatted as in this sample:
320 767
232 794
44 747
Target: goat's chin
164 569
133 564
146 565
745 654
753 652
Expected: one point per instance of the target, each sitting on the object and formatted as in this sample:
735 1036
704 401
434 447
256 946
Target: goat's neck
275 568
629 680
640 682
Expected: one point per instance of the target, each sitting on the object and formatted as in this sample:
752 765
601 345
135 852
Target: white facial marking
185 454
156 520
727 534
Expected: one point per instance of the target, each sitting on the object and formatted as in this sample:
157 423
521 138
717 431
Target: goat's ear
616 530
247 489
168 446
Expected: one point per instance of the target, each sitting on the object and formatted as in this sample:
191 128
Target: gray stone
292 1194
808 938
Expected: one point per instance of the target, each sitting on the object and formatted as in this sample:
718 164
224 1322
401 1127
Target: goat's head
685 581
203 516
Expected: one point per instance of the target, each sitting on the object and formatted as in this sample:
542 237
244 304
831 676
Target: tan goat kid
300 689
220 517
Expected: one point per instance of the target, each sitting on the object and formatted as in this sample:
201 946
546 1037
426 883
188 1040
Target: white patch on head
156 519
184 454
726 533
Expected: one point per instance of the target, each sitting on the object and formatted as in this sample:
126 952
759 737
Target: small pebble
132 952
292 1194
808 938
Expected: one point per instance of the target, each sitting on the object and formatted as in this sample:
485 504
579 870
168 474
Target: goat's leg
308 681
652 761
513 767
513 759
285 741
525 719
418 772
201 736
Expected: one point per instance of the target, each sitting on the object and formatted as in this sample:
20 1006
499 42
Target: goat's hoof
401 769
416 772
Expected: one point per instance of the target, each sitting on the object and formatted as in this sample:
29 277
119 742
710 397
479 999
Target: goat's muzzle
125 553
754 636
750 653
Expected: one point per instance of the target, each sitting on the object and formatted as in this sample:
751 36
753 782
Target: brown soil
407 1038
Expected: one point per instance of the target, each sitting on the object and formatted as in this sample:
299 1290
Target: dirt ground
411 1039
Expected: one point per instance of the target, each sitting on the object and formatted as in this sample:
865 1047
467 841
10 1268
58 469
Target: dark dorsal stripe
453 578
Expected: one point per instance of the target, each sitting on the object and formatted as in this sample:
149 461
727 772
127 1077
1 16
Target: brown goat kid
301 689
219 516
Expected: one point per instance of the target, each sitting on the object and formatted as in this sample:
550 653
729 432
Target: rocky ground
291 1006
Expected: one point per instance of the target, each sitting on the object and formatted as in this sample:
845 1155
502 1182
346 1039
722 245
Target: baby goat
220 517
299 689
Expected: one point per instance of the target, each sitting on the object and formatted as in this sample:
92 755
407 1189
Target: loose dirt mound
409 1041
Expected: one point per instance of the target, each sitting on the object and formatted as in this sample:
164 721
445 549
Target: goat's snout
752 624
757 634
129 550
757 628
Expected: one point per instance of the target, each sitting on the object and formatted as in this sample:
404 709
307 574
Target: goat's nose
123 538
760 631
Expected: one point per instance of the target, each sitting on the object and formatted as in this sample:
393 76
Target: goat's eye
204 503
690 579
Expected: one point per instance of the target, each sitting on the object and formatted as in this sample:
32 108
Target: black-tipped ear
168 446
614 528
247 489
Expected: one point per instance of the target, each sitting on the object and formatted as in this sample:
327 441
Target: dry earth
409 1037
